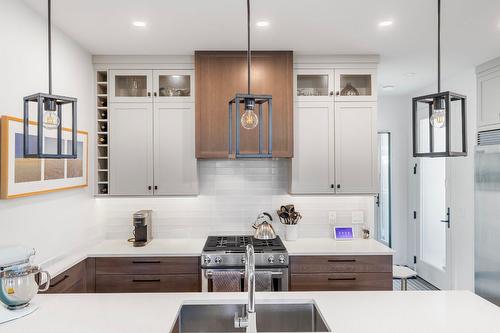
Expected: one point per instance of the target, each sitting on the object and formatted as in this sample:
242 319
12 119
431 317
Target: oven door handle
209 274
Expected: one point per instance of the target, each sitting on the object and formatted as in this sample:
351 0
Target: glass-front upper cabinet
355 85
131 86
173 85
314 85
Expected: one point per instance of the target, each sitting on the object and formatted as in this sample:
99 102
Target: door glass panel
433 208
174 85
355 85
131 85
312 85
383 231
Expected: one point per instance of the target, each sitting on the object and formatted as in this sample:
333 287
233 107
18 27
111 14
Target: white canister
291 232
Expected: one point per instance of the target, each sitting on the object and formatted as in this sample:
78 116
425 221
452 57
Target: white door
433 223
314 85
173 86
355 85
175 167
131 149
131 86
356 147
313 148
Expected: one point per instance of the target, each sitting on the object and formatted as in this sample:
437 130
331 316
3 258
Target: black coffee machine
142 228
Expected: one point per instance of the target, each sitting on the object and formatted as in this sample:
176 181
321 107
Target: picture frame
20 177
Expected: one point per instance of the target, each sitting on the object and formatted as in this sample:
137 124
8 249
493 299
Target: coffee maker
142 227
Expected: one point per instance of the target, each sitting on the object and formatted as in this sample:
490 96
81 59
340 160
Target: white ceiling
470 30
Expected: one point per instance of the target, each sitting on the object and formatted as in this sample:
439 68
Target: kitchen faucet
249 321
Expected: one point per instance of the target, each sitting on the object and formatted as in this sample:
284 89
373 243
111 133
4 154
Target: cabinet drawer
148 265
70 281
147 283
341 281
341 264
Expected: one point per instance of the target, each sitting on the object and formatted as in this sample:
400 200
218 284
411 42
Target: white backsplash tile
232 194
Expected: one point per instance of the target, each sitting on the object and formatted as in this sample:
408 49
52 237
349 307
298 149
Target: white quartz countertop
157 247
330 246
344 312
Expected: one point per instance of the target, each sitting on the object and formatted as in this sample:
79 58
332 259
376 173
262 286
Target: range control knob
243 260
281 259
218 260
207 260
270 259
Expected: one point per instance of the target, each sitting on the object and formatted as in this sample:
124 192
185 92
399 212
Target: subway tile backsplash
232 194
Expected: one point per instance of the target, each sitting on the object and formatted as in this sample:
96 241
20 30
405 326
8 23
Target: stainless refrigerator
487 219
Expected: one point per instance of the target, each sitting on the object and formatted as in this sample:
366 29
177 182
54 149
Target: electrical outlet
358 217
332 217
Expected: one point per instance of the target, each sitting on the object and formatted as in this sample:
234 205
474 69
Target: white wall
394 117
460 172
52 223
232 194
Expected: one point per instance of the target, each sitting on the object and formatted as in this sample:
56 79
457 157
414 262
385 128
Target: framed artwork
21 177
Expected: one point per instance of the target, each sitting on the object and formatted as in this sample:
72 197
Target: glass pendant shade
249 119
51 120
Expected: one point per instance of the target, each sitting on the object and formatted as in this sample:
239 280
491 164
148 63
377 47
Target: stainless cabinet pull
58 282
341 260
149 94
146 280
147 262
342 279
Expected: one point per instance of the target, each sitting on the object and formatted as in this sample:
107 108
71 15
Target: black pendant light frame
250 101
440 100
49 102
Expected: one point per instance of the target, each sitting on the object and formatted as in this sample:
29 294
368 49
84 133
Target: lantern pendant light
439 120
49 110
249 119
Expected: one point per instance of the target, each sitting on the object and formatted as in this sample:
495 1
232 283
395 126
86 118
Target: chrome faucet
249 321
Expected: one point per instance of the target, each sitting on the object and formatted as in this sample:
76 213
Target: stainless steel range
227 253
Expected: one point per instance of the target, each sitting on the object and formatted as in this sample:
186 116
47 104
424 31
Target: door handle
149 94
447 218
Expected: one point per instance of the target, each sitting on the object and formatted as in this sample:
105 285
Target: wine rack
102 137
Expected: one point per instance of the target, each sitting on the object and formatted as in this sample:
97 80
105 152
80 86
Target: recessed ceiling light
389 87
140 24
385 23
262 24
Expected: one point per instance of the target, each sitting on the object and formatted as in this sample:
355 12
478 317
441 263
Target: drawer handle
146 262
342 279
146 280
58 282
342 260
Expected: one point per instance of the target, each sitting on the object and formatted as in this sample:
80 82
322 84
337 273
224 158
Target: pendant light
49 110
439 120
249 119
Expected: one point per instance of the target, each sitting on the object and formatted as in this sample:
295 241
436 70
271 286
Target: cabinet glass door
313 85
130 86
173 85
355 85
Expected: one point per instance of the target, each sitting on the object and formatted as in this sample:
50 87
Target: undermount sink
286 317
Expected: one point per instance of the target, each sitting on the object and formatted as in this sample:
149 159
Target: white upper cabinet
355 85
314 85
131 149
313 150
356 147
175 168
131 86
488 99
173 85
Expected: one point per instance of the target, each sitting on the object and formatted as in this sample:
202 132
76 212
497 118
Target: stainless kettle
263 227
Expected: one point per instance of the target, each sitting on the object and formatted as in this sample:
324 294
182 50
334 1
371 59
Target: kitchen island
343 312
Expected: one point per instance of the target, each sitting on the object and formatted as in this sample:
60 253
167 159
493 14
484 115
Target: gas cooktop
237 244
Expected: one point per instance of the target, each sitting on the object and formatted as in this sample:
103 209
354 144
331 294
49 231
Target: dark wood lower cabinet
72 280
330 273
147 283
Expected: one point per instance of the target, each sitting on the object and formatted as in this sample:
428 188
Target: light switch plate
358 217
332 217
